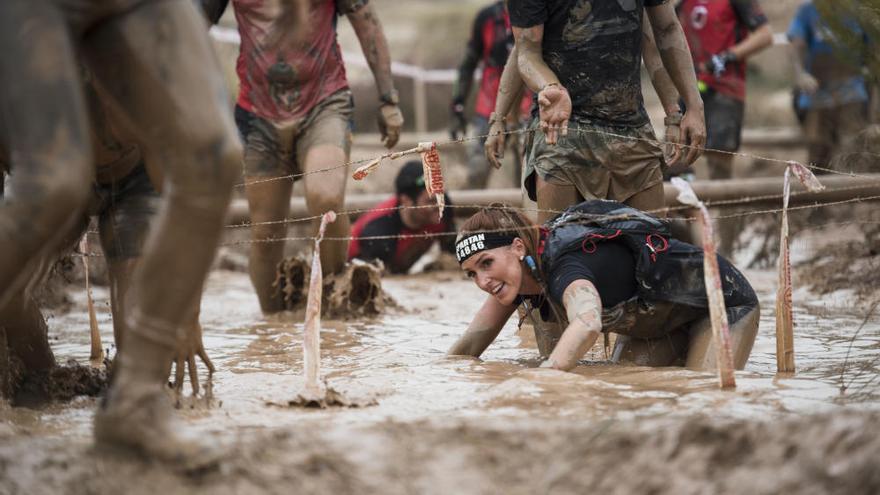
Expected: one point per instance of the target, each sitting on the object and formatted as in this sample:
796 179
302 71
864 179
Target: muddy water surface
399 359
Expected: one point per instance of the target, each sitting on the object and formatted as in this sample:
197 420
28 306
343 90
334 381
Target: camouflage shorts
600 161
273 150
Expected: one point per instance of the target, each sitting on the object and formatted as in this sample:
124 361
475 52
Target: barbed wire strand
655 141
591 217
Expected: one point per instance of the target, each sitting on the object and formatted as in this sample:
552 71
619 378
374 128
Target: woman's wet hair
502 218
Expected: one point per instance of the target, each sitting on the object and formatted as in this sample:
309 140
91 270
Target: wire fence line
578 129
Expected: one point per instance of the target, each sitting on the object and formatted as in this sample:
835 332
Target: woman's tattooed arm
584 309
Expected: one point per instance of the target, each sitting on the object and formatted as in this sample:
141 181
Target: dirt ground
832 453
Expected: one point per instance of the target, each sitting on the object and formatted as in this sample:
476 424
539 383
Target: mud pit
467 426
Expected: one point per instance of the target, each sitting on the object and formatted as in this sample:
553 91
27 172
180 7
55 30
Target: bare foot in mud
138 418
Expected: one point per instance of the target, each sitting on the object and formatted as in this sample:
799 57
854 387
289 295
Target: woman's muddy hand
554 106
185 357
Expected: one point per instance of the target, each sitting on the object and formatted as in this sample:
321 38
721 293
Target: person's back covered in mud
600 267
391 231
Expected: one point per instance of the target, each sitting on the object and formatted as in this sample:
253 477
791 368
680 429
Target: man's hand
390 124
807 83
457 122
291 27
186 357
693 134
672 139
554 105
494 146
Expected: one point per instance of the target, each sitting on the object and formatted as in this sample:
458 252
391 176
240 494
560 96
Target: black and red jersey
714 26
398 253
490 43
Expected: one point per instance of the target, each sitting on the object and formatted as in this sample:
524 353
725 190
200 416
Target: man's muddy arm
584 309
660 79
665 89
510 90
532 67
677 60
554 102
375 47
483 330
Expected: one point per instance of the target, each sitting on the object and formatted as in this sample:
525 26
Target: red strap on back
664 245
590 240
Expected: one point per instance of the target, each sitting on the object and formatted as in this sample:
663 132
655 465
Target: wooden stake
314 390
712 278
96 355
784 316
784 319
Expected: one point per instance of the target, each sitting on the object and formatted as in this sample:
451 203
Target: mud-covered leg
267 202
743 326
650 199
26 333
156 64
5 367
668 350
44 126
324 192
553 198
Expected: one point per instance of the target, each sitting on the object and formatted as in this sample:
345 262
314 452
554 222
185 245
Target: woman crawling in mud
599 267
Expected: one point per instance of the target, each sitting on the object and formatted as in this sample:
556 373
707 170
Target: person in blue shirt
831 90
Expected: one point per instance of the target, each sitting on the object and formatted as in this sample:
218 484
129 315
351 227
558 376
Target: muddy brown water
400 360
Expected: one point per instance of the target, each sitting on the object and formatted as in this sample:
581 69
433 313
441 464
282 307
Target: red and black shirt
714 26
490 44
398 253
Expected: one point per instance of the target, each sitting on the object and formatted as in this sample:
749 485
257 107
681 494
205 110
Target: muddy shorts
274 150
599 165
125 208
724 120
